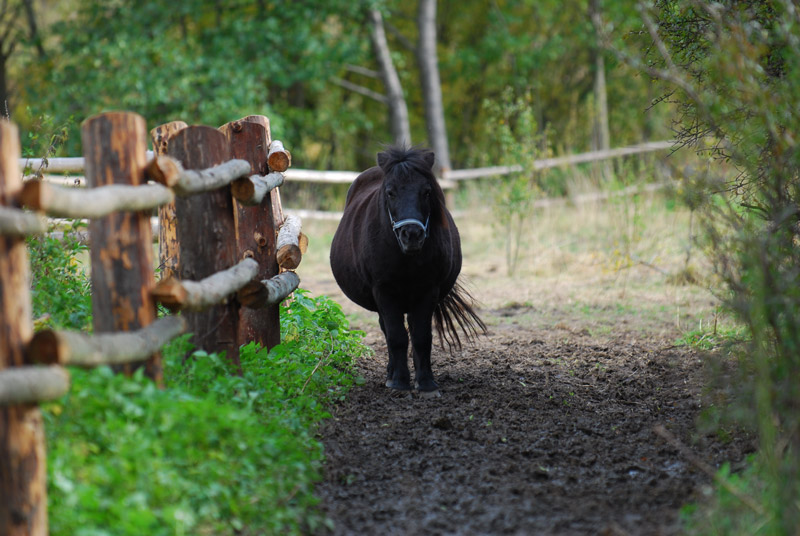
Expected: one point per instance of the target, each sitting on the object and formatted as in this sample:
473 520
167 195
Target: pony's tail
453 312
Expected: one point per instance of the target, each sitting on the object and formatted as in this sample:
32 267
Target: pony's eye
390 194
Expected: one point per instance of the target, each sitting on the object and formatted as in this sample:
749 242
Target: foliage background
209 62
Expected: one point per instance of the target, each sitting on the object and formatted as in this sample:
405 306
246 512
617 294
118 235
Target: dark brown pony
397 251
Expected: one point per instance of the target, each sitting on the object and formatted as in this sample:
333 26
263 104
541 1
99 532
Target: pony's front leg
419 324
393 327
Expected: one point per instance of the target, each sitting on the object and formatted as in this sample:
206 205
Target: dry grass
602 268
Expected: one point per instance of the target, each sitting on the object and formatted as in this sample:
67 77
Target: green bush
734 69
60 289
213 453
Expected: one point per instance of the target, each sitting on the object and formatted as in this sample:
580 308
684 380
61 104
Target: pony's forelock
417 159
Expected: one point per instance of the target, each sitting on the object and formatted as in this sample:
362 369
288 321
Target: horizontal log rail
450 178
250 191
260 294
170 172
569 160
83 350
278 158
177 295
92 203
18 223
32 384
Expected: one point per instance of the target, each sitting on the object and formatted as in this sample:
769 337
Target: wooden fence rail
223 248
449 180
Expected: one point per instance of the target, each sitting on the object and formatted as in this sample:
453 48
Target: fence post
249 140
114 151
23 488
206 238
168 249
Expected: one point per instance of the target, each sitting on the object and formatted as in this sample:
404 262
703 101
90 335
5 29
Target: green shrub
213 453
60 289
734 69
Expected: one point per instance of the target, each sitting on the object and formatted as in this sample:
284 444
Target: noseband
408 221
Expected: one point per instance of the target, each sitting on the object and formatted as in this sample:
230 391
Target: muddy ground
535 433
545 425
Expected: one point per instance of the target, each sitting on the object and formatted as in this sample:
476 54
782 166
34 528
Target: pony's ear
383 159
430 158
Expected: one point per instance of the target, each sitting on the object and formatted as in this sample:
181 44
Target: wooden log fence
223 277
450 179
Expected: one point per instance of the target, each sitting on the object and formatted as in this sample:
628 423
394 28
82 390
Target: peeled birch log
29 385
278 158
198 295
259 294
288 243
18 223
191 181
75 348
92 203
250 191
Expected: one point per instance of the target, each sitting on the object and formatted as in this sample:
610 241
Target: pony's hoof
398 385
430 394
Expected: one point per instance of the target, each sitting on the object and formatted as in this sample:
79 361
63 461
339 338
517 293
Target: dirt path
546 425
536 432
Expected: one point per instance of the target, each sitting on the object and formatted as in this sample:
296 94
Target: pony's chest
410 276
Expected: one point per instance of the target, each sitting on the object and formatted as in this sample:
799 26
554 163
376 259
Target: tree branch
361 90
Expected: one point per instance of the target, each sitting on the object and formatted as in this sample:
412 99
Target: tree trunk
114 150
600 133
249 139
23 489
33 28
206 237
168 250
398 112
431 85
4 96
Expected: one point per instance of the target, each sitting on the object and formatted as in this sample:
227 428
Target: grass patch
213 453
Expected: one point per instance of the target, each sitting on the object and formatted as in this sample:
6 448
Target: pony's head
410 194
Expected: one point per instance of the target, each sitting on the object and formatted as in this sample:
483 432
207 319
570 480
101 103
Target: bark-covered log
63 202
30 385
80 349
250 191
198 295
23 488
114 150
279 159
288 244
206 237
168 249
193 181
255 228
269 292
18 223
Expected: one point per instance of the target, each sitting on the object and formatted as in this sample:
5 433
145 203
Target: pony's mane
400 159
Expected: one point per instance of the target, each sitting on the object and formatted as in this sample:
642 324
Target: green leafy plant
517 139
213 452
734 68
60 288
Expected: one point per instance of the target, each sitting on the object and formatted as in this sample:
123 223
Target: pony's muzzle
410 233
411 237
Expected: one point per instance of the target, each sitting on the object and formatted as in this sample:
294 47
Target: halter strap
408 221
